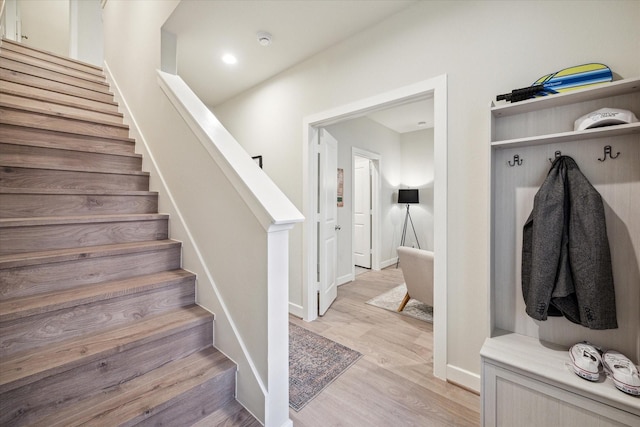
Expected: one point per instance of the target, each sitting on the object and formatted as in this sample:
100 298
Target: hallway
393 383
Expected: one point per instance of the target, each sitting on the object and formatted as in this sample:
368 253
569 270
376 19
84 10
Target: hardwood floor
392 384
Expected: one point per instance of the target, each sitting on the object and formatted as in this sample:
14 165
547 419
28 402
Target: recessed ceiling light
229 59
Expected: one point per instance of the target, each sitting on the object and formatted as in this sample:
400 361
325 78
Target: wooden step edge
20 62
79 219
60 91
63 133
230 415
13 66
134 401
73 149
49 100
32 365
19 308
75 169
55 55
25 259
66 116
52 67
74 192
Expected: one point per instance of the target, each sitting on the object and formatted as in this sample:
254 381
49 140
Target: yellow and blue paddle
572 78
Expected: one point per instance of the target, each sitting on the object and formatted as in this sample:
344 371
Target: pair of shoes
587 362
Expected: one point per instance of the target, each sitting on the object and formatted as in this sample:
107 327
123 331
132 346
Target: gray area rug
391 300
314 363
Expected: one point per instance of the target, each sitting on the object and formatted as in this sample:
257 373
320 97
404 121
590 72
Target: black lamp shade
408 196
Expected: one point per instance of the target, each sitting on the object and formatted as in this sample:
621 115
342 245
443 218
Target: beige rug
391 300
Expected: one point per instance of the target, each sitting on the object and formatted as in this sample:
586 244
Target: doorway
437 89
365 224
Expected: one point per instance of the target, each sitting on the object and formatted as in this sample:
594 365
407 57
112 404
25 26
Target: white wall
417 172
46 23
485 48
86 38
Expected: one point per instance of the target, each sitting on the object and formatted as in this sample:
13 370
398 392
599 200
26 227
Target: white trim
463 377
437 87
388 262
344 279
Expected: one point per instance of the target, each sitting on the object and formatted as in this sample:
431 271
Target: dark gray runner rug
314 362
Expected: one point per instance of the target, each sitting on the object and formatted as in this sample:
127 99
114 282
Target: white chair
417 269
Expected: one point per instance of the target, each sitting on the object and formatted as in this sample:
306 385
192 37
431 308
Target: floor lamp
408 196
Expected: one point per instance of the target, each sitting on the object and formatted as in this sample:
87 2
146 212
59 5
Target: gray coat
566 263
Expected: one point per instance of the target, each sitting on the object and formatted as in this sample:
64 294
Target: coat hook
557 154
516 161
607 151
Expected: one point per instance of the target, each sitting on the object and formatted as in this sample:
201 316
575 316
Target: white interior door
362 212
328 220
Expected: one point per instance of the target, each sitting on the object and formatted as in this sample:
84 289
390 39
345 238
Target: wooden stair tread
7 42
20 144
78 219
63 115
29 366
25 94
63 191
145 395
110 171
60 255
8 137
51 301
233 414
44 64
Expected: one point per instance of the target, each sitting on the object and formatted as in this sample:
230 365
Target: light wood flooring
393 383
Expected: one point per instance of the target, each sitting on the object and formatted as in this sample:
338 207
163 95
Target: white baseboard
296 310
463 378
389 262
345 279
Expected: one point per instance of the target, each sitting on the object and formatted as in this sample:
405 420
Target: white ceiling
206 30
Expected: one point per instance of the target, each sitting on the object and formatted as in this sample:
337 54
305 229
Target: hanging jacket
566 263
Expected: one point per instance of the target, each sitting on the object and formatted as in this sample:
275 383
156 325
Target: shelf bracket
607 151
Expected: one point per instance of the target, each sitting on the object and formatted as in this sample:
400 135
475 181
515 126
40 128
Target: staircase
98 322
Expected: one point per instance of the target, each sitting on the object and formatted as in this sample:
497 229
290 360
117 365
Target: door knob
337 227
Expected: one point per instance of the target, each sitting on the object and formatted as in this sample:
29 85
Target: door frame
375 160
437 88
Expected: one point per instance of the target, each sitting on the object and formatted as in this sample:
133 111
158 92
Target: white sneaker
586 361
623 373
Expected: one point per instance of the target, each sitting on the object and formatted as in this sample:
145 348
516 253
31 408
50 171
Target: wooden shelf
602 132
604 90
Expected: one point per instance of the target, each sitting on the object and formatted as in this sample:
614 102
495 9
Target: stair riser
50 158
28 403
61 124
52 107
16 47
34 92
191 406
46 84
60 236
66 141
48 328
35 279
20 67
38 205
51 66
44 178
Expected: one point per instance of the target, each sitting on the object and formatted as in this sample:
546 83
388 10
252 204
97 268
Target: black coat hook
556 155
607 151
516 161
